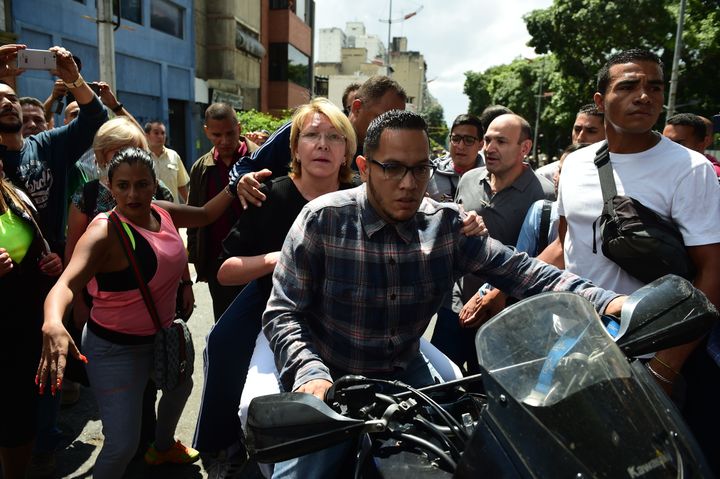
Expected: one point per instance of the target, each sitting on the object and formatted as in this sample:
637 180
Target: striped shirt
355 293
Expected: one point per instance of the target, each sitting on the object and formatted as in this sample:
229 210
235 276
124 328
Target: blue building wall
151 67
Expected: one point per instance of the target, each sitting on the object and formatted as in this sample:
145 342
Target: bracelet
79 81
657 374
118 108
229 192
186 282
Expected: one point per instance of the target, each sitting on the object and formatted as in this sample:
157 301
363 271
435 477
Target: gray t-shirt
502 212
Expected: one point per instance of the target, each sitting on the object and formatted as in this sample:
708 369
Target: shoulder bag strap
605 171
142 285
544 225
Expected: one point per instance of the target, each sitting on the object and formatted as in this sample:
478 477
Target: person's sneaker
177 454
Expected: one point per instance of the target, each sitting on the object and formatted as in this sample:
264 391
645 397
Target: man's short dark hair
348 90
377 86
590 109
628 56
220 112
490 113
391 120
693 121
148 126
525 129
28 100
472 120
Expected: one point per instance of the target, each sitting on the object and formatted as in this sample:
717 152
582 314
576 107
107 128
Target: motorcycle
556 397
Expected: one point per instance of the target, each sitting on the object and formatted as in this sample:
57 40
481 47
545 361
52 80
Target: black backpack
633 236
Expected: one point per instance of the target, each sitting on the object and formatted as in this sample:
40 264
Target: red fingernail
83 358
36 380
42 388
59 384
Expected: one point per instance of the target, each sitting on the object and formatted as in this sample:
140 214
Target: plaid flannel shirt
355 293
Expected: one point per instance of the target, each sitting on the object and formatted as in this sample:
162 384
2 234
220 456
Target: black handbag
173 351
633 236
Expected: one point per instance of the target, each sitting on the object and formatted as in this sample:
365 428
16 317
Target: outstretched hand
248 189
57 343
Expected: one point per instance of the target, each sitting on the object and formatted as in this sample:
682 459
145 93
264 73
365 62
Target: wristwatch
79 81
117 108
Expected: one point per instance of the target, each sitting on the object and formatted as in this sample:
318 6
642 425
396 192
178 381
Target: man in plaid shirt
362 272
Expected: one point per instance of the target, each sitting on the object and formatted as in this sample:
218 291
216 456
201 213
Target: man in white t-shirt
677 183
168 164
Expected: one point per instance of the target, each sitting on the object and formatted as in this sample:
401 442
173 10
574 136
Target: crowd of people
327 246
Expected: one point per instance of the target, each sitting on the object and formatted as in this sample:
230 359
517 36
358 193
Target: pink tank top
125 311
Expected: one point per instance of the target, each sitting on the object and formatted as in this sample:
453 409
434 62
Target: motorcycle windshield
548 347
553 355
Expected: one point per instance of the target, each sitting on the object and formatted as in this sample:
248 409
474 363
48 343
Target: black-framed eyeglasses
469 140
397 171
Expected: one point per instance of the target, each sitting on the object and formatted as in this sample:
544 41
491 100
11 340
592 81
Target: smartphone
95 88
36 60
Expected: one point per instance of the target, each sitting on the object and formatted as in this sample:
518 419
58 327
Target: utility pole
390 21
537 114
672 96
387 52
106 42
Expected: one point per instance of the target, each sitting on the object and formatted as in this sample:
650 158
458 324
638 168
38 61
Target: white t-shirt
677 183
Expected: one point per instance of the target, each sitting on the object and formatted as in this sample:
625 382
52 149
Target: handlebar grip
343 382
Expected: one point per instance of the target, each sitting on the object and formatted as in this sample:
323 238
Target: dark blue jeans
227 354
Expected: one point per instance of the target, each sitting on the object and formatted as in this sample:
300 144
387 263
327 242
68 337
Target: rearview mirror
287 425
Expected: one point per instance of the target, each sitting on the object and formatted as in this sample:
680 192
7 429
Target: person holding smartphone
41 163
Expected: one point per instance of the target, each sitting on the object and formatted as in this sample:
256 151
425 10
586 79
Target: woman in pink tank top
118 337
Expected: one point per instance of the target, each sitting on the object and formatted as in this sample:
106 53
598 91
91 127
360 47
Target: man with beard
501 192
41 163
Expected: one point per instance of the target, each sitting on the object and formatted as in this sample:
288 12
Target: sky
454 36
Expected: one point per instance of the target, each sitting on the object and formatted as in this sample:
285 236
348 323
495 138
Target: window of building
301 8
287 63
129 10
279 4
167 17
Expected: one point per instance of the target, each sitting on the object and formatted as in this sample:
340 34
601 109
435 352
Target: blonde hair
338 120
116 134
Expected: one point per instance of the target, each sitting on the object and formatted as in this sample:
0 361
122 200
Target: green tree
583 33
517 85
253 120
435 118
577 36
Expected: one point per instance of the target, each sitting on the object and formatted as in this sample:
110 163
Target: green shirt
16 235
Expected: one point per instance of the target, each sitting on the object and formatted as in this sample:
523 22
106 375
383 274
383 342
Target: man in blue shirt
41 163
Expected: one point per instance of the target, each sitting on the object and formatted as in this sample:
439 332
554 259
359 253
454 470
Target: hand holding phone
36 60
